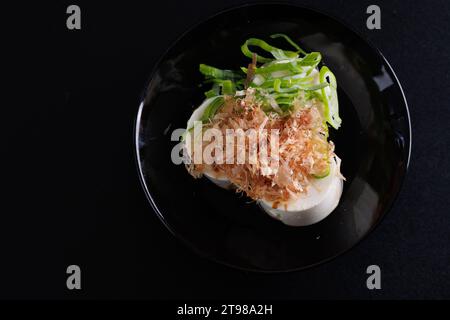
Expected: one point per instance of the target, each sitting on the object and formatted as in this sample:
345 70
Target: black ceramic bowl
373 142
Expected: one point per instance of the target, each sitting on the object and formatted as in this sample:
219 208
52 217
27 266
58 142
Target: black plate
373 142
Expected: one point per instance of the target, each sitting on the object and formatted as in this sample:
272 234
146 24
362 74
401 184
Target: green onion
330 99
287 100
311 60
316 87
215 91
228 87
215 73
285 95
292 43
276 52
283 77
287 82
279 66
212 108
277 86
323 174
309 95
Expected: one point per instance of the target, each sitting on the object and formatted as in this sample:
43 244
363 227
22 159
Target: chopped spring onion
329 94
258 80
286 65
292 43
212 108
323 174
316 87
277 87
279 79
215 91
311 60
228 87
276 52
212 72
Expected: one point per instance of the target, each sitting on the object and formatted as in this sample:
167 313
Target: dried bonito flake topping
284 171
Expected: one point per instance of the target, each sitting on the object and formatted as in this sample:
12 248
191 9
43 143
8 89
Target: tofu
220 180
321 198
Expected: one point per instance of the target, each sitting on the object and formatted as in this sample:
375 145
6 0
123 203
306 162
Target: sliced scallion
292 43
212 108
276 52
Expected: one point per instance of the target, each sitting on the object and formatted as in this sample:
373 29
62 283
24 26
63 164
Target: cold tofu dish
265 129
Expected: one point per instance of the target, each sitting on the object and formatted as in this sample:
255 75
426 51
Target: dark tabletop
72 193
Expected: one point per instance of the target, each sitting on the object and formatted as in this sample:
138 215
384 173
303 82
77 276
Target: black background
71 193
